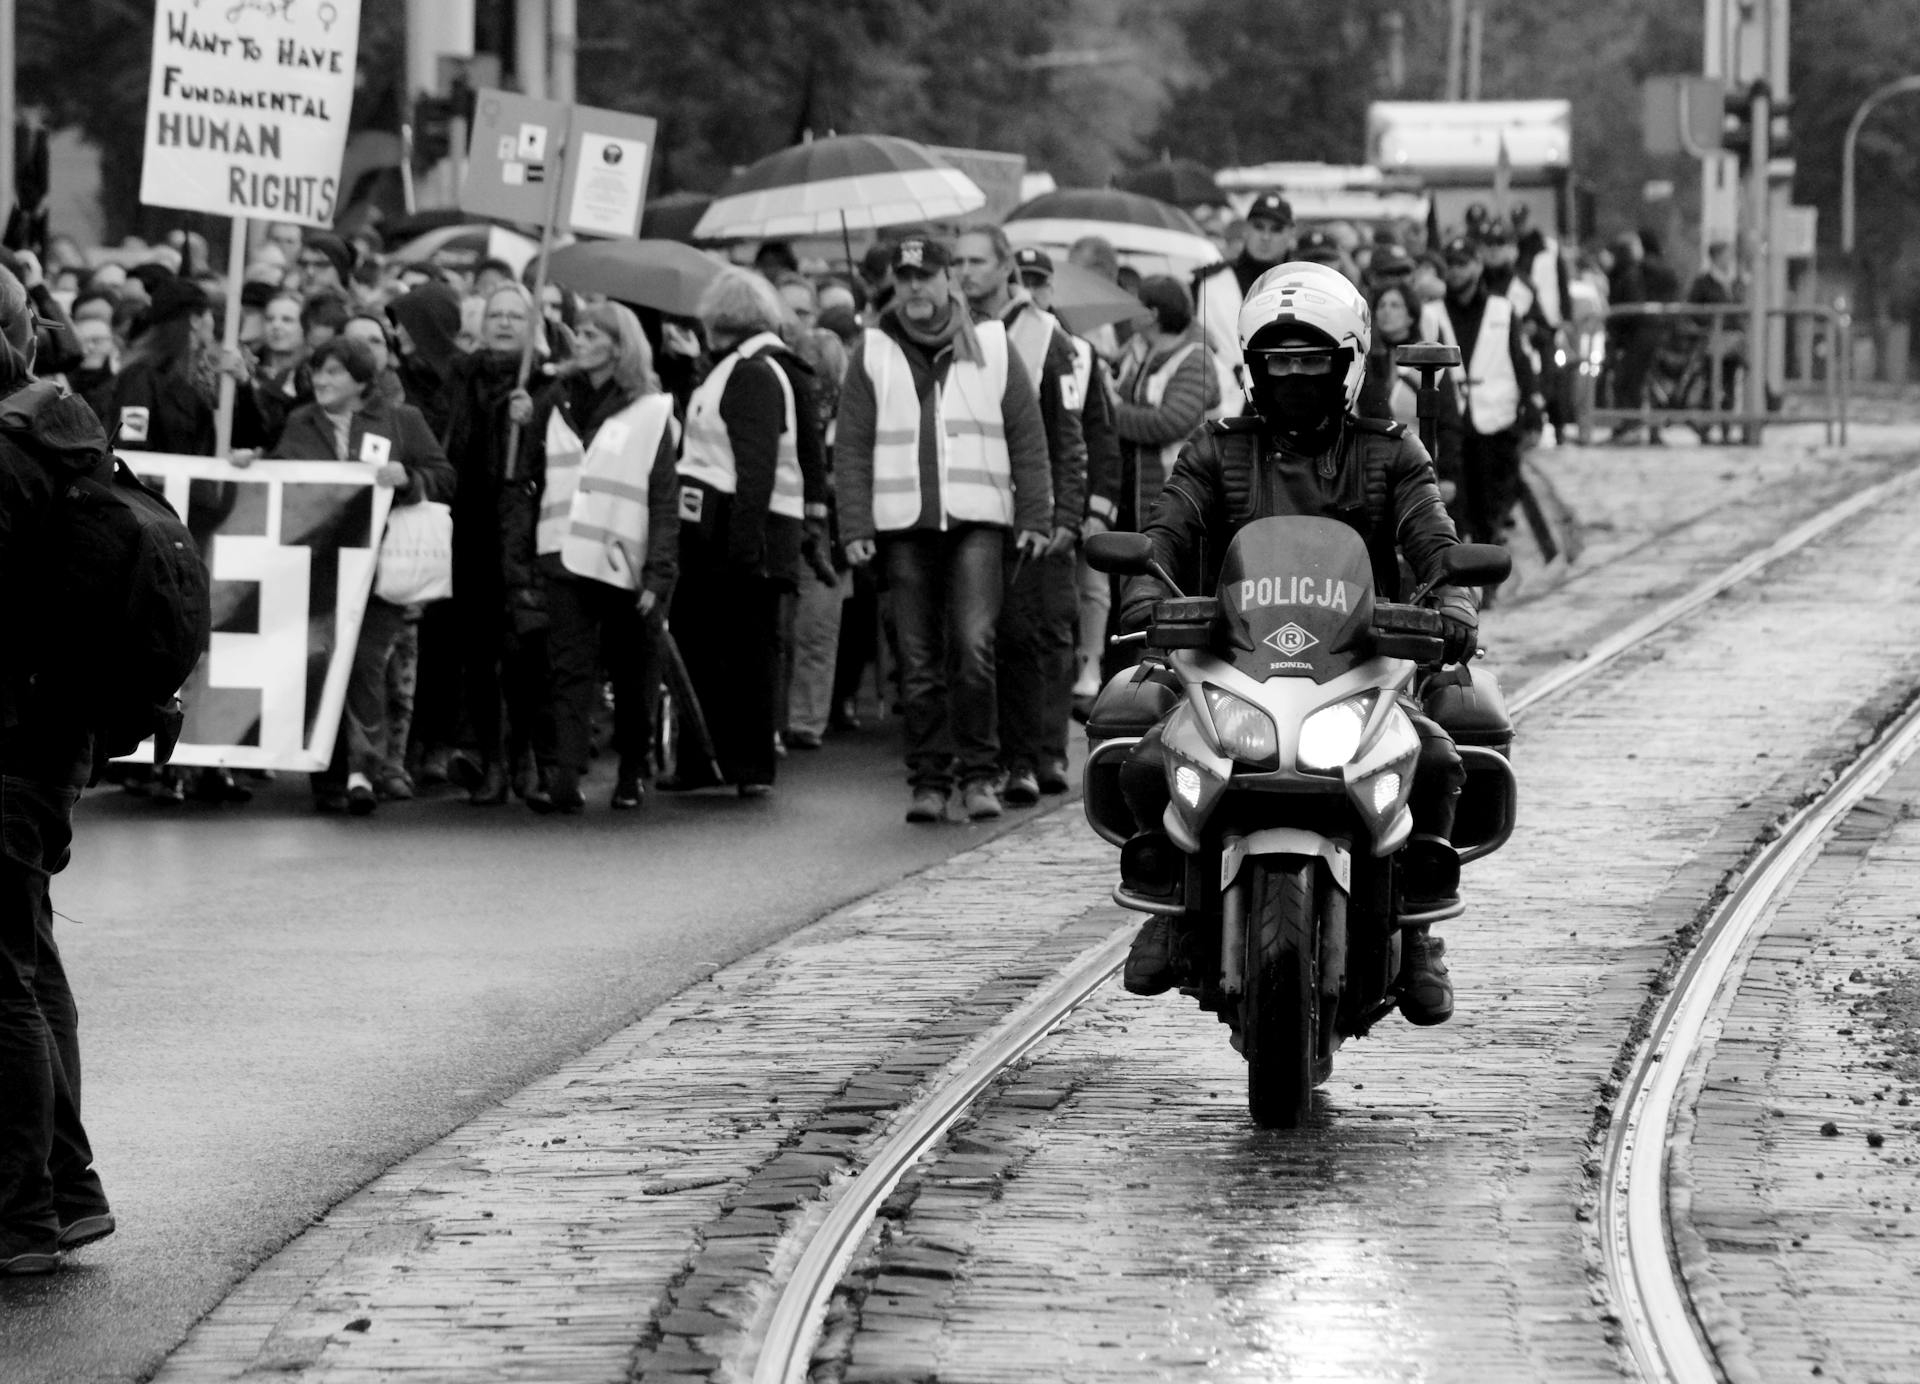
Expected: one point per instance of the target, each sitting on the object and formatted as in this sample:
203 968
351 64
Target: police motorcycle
1288 765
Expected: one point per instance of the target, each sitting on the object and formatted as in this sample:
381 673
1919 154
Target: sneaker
361 798
980 802
1022 790
84 1230
928 805
1149 968
394 788
628 794
1053 777
28 1253
1426 995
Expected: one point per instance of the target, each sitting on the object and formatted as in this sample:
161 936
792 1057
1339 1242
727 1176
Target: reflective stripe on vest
1082 373
709 455
605 536
1492 391
975 471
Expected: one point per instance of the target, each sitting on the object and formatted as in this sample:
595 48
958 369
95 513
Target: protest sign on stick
247 108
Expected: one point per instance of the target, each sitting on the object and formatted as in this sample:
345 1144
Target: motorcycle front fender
1287 841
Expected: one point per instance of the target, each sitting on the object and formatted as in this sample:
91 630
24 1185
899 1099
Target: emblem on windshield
1290 640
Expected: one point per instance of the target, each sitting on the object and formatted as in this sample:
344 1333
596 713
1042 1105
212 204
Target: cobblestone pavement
622 1216
1801 1166
1431 1227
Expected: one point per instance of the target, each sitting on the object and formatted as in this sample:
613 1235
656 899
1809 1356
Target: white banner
247 107
291 547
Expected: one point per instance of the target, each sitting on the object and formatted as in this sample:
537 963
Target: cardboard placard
247 107
517 149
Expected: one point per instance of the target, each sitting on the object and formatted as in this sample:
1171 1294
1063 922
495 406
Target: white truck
1500 153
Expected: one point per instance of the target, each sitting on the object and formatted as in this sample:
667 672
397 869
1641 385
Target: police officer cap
1460 250
1391 258
919 254
1478 215
1496 233
1271 206
1030 259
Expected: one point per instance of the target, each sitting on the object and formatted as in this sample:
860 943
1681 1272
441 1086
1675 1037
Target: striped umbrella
857 182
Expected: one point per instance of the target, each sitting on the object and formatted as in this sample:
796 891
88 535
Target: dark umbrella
661 274
674 216
1105 204
1183 182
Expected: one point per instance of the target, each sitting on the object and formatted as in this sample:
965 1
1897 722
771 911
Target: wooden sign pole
230 337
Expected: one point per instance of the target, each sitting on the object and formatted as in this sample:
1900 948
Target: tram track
1659 1313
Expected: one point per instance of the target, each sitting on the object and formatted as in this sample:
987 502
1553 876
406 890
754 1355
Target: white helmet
1320 299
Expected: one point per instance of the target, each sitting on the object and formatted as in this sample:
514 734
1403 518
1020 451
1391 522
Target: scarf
957 331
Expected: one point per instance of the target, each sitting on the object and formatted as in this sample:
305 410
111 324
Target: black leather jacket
1377 478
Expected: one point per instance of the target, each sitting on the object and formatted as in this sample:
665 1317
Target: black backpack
129 613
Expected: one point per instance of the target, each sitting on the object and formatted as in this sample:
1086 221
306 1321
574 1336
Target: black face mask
1304 411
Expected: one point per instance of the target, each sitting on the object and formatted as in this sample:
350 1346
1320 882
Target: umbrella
1183 182
463 246
660 274
1083 300
674 216
1105 204
1149 249
861 182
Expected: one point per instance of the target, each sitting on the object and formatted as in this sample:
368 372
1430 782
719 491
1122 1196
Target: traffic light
1737 137
432 129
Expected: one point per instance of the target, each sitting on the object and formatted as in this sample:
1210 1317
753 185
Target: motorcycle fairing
1235 851
1197 775
1296 599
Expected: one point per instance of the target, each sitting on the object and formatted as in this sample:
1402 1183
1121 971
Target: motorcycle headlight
1331 736
1245 733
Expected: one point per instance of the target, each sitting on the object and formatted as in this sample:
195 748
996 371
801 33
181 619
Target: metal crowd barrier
1689 371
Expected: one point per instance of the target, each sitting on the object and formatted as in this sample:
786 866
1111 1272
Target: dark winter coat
1382 486
309 436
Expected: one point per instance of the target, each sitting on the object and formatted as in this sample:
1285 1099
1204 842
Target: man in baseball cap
1034 267
1269 239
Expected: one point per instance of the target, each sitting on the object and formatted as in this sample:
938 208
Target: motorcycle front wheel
1280 1011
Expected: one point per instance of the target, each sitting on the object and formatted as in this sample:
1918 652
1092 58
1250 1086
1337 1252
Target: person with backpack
89 560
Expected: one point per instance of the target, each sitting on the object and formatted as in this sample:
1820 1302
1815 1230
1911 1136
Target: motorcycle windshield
1296 599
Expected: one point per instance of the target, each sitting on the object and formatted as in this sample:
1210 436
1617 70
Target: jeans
946 590
594 623
46 1171
367 741
816 645
1035 654
1490 463
403 676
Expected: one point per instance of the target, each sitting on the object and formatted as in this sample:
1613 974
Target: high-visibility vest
1492 391
1030 330
709 458
1143 388
594 512
975 471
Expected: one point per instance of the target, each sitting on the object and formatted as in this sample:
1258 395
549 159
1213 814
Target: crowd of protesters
887 469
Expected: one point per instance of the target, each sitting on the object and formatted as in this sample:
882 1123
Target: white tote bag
416 555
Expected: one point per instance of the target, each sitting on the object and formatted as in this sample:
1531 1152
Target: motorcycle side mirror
1477 564
1120 554
1429 353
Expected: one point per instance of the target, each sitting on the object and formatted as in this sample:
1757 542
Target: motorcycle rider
1298 449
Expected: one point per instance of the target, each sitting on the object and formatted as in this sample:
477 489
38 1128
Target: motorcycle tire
1280 1012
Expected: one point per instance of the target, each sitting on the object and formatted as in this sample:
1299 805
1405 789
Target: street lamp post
1893 88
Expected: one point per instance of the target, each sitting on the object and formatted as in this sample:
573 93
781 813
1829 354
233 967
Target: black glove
1459 626
816 550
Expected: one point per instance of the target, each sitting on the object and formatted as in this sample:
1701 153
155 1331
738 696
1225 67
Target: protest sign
520 145
247 107
291 546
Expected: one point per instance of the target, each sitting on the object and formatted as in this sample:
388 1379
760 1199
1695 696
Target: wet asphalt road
275 1007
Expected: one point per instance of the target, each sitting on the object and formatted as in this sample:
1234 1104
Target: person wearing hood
1166 384
427 323
498 665
1035 640
753 500
51 1200
941 465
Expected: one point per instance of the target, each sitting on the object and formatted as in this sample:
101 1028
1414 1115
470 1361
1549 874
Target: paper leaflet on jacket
291 547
